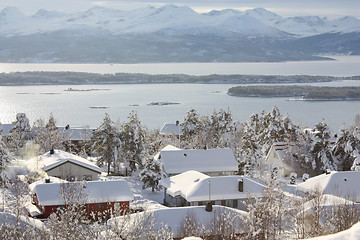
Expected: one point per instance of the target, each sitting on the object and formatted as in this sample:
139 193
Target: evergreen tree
321 149
132 135
151 174
105 142
47 136
20 133
5 156
345 149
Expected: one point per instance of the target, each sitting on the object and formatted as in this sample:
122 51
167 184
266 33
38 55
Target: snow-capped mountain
168 33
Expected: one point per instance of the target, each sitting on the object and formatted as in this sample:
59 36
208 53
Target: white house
193 188
67 166
341 184
280 157
213 162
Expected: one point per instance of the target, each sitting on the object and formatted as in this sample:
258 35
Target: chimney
52 151
177 123
241 185
208 207
328 171
47 180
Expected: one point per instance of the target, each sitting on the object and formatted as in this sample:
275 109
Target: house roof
206 161
174 218
49 194
42 181
342 184
171 129
49 161
194 186
76 133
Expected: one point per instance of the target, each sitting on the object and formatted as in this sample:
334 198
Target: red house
97 196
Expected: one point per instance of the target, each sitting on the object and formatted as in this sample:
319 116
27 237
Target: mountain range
171 34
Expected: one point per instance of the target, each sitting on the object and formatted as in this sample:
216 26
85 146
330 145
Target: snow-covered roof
167 148
171 129
49 194
42 181
76 133
180 182
211 160
174 217
49 161
194 186
342 184
352 233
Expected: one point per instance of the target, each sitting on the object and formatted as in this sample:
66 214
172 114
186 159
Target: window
71 178
87 178
99 206
235 203
223 203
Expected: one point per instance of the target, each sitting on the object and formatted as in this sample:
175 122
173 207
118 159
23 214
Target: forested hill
80 78
305 92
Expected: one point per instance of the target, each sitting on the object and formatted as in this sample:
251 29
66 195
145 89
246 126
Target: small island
309 93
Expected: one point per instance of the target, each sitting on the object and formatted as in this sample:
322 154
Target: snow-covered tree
105 142
260 132
47 136
19 134
321 149
221 129
151 174
346 148
193 133
5 155
132 135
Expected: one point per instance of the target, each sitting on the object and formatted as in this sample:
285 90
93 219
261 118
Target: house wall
68 169
233 203
179 201
94 210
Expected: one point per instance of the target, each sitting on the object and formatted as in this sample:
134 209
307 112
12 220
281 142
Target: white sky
285 8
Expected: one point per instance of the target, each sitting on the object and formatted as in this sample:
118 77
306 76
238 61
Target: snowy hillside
165 34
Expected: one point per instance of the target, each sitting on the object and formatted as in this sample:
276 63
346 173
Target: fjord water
80 108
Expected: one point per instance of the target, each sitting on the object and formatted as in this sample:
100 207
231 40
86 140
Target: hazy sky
329 8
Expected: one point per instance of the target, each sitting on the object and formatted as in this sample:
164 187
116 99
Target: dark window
200 203
235 203
223 203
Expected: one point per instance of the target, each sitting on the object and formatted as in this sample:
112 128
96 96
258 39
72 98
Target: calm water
74 108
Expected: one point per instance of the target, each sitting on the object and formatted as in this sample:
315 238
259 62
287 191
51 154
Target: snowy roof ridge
343 184
49 161
210 160
194 186
49 194
171 129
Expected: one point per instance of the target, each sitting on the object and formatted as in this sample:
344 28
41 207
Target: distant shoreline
301 93
82 78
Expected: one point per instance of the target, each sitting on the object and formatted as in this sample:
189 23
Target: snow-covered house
193 188
341 184
213 162
67 166
171 129
97 196
279 157
173 219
